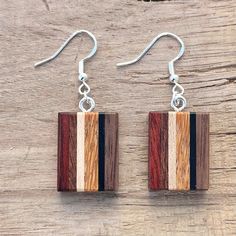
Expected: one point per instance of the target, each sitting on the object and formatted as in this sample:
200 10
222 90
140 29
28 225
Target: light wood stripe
91 151
80 151
172 151
183 150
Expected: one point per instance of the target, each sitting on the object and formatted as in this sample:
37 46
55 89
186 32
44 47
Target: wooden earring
178 141
87 140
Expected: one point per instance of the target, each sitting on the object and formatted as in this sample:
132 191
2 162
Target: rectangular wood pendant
178 151
87 151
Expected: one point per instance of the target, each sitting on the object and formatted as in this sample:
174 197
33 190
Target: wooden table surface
31 99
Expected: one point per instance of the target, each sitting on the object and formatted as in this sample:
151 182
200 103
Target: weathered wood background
31 99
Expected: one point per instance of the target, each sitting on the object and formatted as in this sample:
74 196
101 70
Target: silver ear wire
84 89
178 102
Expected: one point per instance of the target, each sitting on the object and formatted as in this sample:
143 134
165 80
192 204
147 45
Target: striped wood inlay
187 147
87 151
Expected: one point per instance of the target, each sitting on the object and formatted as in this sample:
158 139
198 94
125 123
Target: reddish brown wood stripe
66 152
158 151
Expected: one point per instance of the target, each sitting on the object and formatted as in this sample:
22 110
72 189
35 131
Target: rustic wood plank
182 150
91 152
202 148
111 152
31 100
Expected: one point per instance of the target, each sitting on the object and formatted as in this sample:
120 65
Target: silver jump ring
84 86
178 102
89 101
178 89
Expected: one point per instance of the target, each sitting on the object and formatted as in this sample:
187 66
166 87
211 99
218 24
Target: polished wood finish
182 151
202 148
111 152
87 151
178 151
91 152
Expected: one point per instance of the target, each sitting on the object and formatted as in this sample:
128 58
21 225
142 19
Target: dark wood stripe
111 151
72 172
63 152
202 148
158 151
192 160
101 164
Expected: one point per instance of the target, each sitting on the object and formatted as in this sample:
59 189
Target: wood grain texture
31 99
182 150
91 152
158 151
202 148
172 151
63 152
80 151
67 151
153 153
72 175
111 152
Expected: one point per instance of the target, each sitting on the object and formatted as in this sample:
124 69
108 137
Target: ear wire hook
81 63
178 102
156 39
84 89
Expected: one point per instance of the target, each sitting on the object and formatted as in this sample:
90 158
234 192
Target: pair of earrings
88 141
